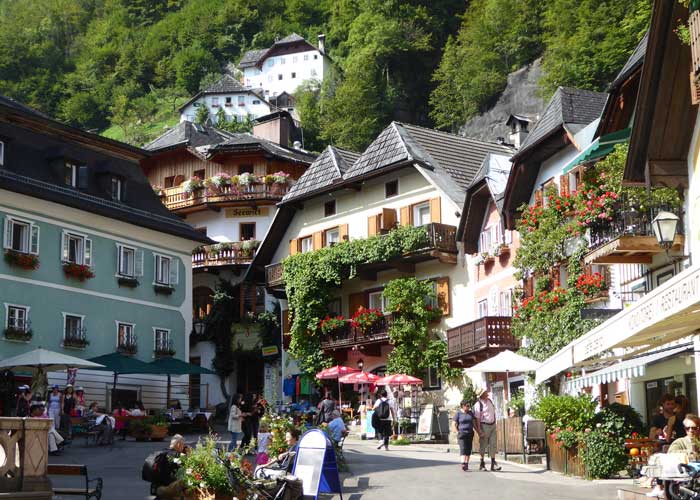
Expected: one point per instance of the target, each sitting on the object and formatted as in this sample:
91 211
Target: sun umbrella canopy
46 360
506 361
359 378
335 372
399 379
174 366
119 363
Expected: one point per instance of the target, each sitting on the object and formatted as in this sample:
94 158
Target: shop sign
236 213
270 350
671 298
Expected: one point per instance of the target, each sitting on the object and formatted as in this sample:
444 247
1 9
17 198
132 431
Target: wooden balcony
441 245
629 237
218 256
474 342
351 336
177 200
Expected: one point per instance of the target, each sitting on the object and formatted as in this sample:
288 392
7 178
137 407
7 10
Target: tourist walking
325 409
382 419
485 412
234 421
464 424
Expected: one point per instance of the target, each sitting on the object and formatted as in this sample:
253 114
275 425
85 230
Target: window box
19 334
161 352
229 104
163 289
129 349
128 281
80 272
22 260
76 342
214 105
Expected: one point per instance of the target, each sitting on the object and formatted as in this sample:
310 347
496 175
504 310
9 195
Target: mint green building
92 261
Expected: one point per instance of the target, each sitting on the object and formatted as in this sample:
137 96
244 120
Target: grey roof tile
247 142
188 134
252 57
635 60
324 171
290 39
226 84
568 106
387 149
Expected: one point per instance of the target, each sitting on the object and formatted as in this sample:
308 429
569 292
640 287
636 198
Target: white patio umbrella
40 361
506 362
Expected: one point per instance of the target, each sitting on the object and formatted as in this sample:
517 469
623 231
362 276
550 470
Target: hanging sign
270 350
315 464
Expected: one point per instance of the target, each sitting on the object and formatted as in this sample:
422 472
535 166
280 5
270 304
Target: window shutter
138 262
7 240
174 271
343 232
443 295
34 244
293 246
388 218
538 198
564 185
317 240
65 252
82 177
87 254
372 223
435 215
405 216
119 258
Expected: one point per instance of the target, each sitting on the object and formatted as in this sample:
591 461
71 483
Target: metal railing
484 333
629 220
176 197
350 335
76 337
128 345
164 347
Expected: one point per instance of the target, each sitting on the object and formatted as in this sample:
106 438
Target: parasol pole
167 400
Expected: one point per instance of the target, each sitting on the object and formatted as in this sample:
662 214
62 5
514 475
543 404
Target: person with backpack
464 424
382 419
325 409
160 469
485 412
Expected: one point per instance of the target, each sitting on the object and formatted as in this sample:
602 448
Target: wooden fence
510 436
564 460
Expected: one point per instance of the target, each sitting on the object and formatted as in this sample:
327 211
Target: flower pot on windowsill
129 350
163 289
18 334
26 261
80 272
163 353
75 343
128 281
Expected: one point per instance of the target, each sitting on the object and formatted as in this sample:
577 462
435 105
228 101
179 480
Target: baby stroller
282 488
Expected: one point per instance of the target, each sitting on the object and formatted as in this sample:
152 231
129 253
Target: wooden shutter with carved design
564 185
539 196
442 286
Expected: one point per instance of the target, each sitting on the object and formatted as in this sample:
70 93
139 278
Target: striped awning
630 368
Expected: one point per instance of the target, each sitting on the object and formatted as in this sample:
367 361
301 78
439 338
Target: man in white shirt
485 412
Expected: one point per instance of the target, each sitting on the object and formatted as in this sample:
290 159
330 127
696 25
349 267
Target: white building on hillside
285 65
228 94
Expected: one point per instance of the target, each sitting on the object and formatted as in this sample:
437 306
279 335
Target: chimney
518 130
322 43
276 127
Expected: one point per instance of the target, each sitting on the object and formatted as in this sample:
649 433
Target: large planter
564 460
158 432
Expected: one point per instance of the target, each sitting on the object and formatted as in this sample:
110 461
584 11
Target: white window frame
2 153
31 240
333 231
214 102
131 335
173 270
24 308
85 250
482 308
508 235
382 300
157 329
417 211
432 379
313 72
306 57
120 188
505 302
294 59
74 172
65 321
136 263
309 242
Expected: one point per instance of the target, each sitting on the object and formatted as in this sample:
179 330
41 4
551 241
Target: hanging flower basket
22 260
80 272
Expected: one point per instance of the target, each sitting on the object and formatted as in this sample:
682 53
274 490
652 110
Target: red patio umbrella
335 372
399 379
359 378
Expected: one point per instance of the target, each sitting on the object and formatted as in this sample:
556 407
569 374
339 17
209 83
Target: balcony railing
350 335
629 220
164 347
488 333
128 345
176 198
76 338
226 254
441 241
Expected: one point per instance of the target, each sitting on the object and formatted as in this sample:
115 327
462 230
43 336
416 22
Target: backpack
157 468
383 412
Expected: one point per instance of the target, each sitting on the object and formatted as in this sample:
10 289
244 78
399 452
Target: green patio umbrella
173 366
121 364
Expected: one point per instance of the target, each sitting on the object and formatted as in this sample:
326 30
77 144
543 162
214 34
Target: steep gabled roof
227 84
257 57
252 57
328 168
188 134
293 38
570 108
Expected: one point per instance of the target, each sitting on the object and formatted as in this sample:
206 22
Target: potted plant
192 185
139 429
23 260
364 318
248 247
19 334
80 272
246 179
159 427
158 191
76 342
330 325
478 259
593 286
487 257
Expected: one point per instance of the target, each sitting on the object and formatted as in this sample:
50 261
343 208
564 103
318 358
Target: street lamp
665 225
360 364
199 327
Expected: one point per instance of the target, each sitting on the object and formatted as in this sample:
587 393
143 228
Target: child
264 438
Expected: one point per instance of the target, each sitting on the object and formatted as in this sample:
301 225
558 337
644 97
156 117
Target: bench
92 488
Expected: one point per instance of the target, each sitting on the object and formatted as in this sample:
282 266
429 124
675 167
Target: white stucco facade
284 73
236 105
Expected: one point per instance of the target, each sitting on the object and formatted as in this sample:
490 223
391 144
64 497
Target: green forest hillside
122 67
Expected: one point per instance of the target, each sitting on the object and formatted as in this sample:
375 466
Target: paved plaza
402 473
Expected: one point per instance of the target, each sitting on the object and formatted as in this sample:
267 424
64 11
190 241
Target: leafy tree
191 64
308 106
202 115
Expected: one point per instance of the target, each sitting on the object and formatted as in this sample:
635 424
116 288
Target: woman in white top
55 408
234 422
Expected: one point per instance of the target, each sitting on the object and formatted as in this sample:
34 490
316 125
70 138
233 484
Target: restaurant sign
660 304
235 213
